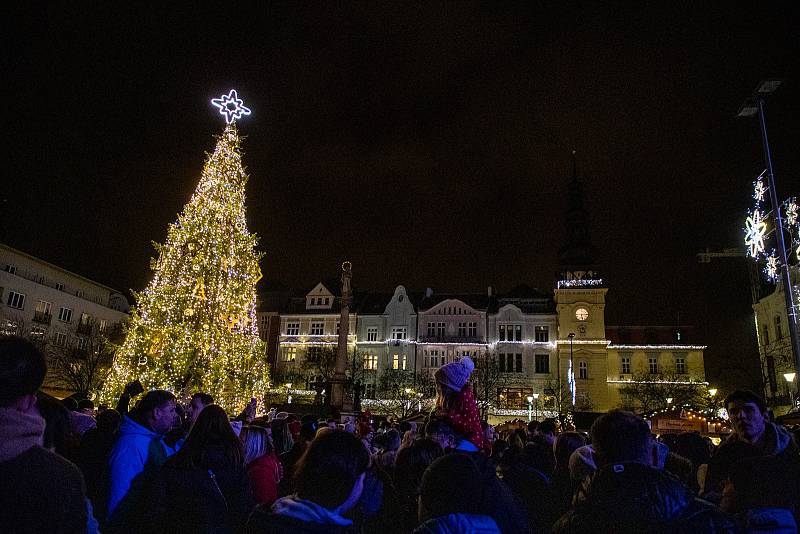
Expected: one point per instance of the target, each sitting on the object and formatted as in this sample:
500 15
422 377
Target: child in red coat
454 400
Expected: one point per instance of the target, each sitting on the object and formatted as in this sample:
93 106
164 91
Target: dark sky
429 143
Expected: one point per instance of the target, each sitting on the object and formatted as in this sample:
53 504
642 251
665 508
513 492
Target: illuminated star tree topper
231 106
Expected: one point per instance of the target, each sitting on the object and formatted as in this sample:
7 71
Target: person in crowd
532 429
455 401
281 435
92 458
451 498
81 419
761 492
59 434
562 486
410 464
627 494
582 464
329 479
86 407
391 443
137 456
289 459
40 491
546 432
204 486
439 430
199 401
263 466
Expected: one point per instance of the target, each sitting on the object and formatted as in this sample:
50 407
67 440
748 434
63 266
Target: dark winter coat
291 514
214 498
634 497
458 524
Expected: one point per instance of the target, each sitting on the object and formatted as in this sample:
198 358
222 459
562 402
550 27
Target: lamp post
530 406
571 374
790 379
536 405
752 107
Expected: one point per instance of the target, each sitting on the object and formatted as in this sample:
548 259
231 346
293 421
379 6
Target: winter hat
581 463
455 374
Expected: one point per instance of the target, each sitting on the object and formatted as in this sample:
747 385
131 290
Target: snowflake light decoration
231 106
755 230
791 212
758 190
772 267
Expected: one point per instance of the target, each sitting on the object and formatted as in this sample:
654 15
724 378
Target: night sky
428 143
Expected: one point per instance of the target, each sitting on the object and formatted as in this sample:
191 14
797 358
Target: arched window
583 370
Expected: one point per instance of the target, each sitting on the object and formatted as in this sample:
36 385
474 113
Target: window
79 293
292 329
61 339
440 332
506 332
501 332
513 398
11 269
473 330
766 335
290 354
317 328
431 329
778 330
59 286
86 319
509 363
314 354
103 324
398 361
327 301
462 329
583 370
65 315
16 300
399 332
369 391
370 361
37 332
542 363
652 361
81 343
625 365
44 307
9 328
518 361
542 334
372 333
680 364
434 358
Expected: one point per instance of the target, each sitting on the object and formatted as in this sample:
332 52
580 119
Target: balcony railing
42 317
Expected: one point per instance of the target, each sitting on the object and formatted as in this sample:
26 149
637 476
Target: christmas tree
194 326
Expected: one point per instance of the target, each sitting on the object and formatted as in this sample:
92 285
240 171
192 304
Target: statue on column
341 400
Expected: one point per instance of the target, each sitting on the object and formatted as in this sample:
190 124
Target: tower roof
578 253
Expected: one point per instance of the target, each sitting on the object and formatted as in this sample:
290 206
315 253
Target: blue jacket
135 460
458 524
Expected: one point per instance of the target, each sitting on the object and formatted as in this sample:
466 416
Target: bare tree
651 391
487 379
400 393
83 365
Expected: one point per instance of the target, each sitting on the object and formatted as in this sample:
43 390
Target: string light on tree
194 326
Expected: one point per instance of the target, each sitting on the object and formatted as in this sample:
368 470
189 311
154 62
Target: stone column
341 401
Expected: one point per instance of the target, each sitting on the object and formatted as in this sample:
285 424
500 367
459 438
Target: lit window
290 354
370 361
102 325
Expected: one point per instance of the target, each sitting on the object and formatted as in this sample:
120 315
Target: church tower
580 297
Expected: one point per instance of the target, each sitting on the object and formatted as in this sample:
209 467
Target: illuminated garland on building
194 327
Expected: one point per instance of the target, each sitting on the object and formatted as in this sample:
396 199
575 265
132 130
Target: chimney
428 292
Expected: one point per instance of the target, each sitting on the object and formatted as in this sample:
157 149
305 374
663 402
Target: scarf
303 510
19 431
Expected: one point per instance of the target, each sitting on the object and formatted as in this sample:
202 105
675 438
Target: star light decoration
772 267
755 230
758 190
231 106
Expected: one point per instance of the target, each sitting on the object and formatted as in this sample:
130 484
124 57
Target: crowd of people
157 465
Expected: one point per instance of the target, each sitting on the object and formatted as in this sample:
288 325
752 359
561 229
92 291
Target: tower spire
576 258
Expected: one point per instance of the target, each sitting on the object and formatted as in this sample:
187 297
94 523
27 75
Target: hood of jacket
457 523
309 511
19 432
637 492
131 428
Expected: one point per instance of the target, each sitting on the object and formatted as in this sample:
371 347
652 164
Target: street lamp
571 374
752 107
536 405
790 378
669 401
530 406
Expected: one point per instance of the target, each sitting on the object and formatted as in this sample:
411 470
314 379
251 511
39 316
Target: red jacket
265 473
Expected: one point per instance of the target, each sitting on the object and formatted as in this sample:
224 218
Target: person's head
86 406
582 463
108 421
392 438
621 436
564 446
281 435
22 371
547 429
452 484
411 462
748 414
307 431
199 401
331 471
58 434
441 431
256 441
211 432
533 428
450 380
156 410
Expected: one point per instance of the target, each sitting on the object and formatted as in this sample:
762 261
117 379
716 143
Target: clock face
581 314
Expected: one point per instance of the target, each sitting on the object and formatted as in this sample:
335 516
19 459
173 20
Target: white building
44 301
